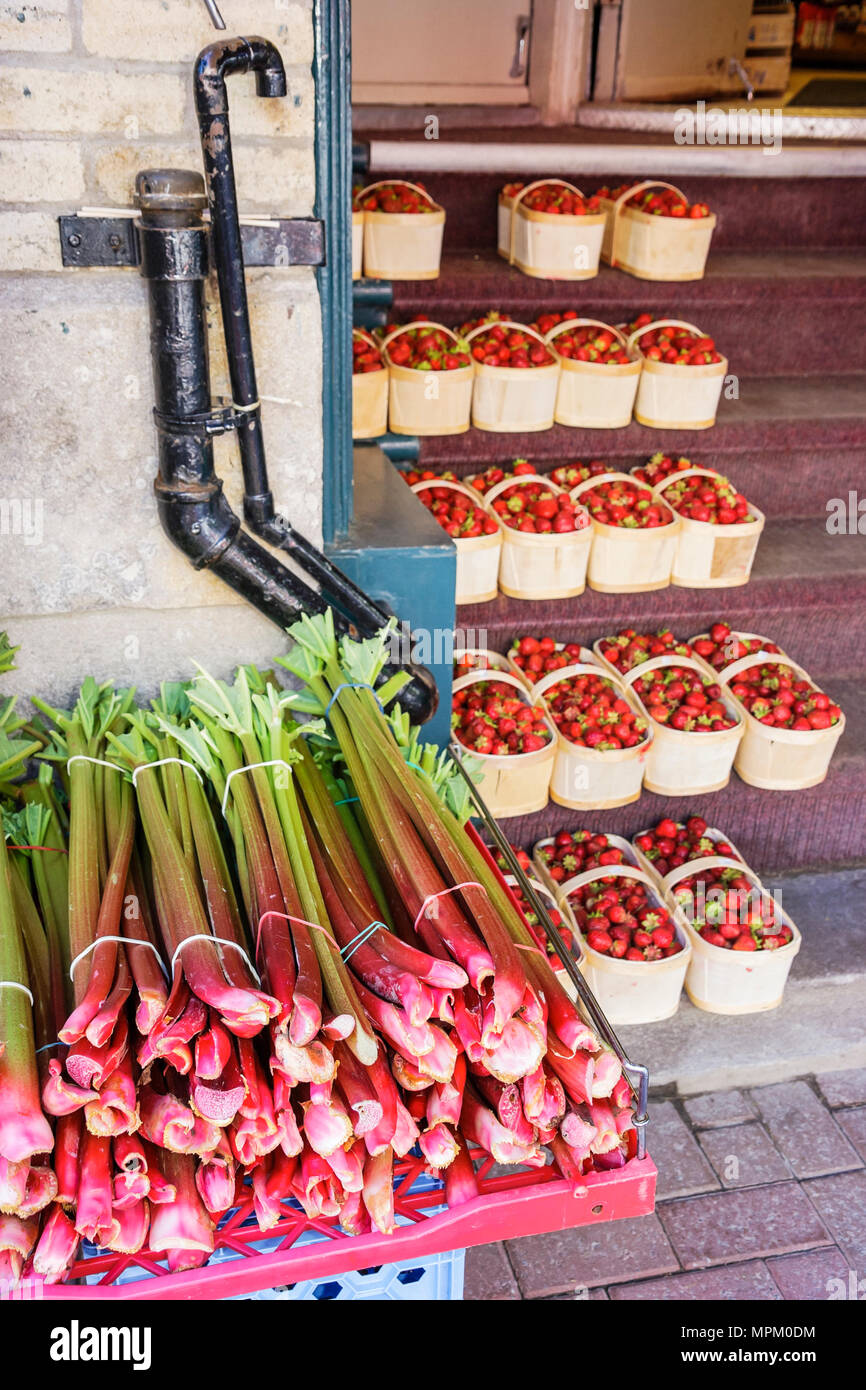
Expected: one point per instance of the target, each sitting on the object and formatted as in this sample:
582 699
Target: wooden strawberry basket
624 559
671 396
477 556
595 395
369 396
548 245
651 247
516 784
722 981
774 758
683 763
357 243
541 566
632 857
586 654
649 867
509 400
592 779
402 245
428 403
709 556
633 991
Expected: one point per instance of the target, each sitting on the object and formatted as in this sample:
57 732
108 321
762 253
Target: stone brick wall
91 91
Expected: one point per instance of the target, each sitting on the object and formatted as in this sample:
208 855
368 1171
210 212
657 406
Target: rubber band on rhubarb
161 762
250 767
284 917
14 984
346 800
533 950
46 849
444 894
219 940
352 685
47 1047
124 941
99 762
360 938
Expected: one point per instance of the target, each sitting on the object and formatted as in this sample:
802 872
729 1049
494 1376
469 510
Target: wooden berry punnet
598 648
592 779
720 981
541 566
369 396
585 655
517 784
509 400
709 556
357 243
548 245
673 396
651 247
595 395
477 556
625 559
402 245
774 758
632 991
428 403
483 659
683 763
718 673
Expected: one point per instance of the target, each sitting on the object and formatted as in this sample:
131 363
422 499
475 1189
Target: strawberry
730 911
677 346
681 697
506 347
629 648
456 514
722 645
589 711
660 202
621 503
532 506
492 718
775 694
393 196
714 500
537 656
426 349
554 198
605 909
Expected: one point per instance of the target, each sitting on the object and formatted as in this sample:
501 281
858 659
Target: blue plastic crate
437 1278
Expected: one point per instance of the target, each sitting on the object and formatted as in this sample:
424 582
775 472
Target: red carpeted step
771 414
807 593
816 828
771 314
752 214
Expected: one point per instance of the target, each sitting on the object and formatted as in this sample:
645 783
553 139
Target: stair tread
771 412
470 278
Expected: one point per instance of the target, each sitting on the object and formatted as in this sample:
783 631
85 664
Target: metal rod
638 1075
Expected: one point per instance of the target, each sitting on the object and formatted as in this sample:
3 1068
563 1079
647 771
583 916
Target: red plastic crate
527 1201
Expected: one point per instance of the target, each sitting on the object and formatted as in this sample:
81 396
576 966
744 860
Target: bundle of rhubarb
290 964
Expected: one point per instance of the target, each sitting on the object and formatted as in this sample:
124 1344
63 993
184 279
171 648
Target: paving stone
853 1122
612 1252
581 1296
488 1274
804 1131
682 1167
811 1276
843 1087
724 1227
737 1282
744 1155
719 1108
841 1202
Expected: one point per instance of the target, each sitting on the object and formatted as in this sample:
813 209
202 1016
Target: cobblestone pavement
761 1195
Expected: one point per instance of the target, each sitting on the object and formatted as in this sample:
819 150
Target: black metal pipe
192 508
213 65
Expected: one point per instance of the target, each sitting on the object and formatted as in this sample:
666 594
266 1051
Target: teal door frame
333 147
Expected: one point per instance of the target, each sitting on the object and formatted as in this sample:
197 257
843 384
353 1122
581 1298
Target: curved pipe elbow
219 60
